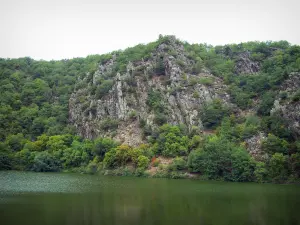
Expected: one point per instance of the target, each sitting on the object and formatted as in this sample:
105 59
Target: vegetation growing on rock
219 112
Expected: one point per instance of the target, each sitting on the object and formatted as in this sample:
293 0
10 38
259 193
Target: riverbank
161 171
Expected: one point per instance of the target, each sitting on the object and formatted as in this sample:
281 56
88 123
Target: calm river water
60 198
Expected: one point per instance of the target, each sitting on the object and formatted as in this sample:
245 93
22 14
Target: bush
171 141
278 167
296 97
104 88
109 124
92 167
143 162
44 162
160 118
160 66
266 104
196 94
123 154
110 159
260 172
276 125
103 145
198 66
5 157
208 81
274 144
16 142
178 164
294 163
154 101
283 95
221 159
133 115
213 113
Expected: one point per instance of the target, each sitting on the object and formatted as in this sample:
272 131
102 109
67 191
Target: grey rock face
244 65
253 146
126 102
288 108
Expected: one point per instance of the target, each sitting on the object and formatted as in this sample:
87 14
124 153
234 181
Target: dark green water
52 198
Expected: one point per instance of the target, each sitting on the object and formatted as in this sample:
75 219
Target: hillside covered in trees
164 109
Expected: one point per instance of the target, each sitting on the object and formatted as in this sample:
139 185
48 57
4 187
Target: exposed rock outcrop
287 106
180 92
244 65
253 146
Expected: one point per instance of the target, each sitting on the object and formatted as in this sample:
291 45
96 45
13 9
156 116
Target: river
60 198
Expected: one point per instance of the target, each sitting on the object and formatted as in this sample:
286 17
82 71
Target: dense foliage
35 134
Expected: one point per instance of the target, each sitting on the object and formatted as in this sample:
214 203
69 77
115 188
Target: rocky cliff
167 86
177 96
287 103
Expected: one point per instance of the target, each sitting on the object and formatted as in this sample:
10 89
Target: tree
44 162
171 141
278 167
274 144
103 145
260 172
16 142
160 66
266 103
294 164
110 159
179 163
243 166
143 162
104 88
220 159
5 157
213 112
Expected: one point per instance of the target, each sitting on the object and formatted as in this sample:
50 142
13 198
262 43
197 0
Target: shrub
123 154
171 141
133 114
274 144
294 163
213 112
260 172
44 162
208 81
109 124
283 95
296 97
135 154
278 167
5 157
143 162
193 81
196 94
160 119
104 88
178 164
198 66
110 159
142 123
266 104
92 167
160 66
221 159
103 145
180 63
